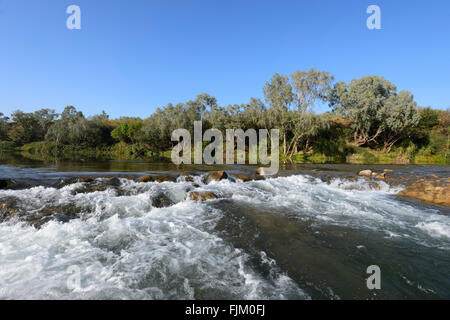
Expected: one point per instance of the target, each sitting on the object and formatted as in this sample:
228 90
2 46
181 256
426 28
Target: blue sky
133 56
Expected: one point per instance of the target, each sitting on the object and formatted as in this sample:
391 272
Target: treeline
365 114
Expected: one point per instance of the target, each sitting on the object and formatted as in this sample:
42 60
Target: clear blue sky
133 56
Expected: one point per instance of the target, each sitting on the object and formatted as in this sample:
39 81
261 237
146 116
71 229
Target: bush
7 145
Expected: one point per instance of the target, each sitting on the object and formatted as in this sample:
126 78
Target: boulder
146 179
203 196
7 208
114 182
381 176
186 177
162 201
4 184
215 176
244 177
157 179
165 179
367 173
260 171
8 184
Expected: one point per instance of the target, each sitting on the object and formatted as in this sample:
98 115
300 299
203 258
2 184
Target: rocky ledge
429 190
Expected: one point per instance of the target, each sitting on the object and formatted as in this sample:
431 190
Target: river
310 233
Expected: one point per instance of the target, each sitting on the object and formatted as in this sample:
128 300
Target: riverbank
122 151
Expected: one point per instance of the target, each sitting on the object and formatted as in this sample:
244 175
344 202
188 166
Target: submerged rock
429 191
6 184
382 175
162 201
165 179
157 179
186 177
248 177
10 209
215 176
244 177
91 185
203 196
146 179
7 208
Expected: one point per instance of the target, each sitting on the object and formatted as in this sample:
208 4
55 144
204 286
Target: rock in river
203 196
215 176
429 191
366 173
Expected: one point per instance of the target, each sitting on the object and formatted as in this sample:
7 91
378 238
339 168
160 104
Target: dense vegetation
368 121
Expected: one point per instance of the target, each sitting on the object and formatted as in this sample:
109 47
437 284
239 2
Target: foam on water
357 204
125 248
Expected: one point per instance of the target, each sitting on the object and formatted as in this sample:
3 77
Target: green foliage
74 129
3 127
6 145
379 114
29 127
369 119
128 131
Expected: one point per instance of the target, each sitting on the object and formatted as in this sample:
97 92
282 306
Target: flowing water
309 234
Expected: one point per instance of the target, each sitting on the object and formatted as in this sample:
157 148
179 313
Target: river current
310 233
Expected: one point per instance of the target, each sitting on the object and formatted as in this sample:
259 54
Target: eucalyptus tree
310 86
254 115
361 101
307 126
72 128
24 129
278 93
3 127
376 109
398 114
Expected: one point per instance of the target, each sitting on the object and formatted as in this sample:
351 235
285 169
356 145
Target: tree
310 86
398 114
128 130
307 125
375 108
361 101
44 118
74 129
24 129
3 127
254 115
278 93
